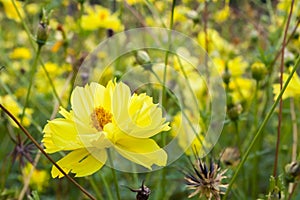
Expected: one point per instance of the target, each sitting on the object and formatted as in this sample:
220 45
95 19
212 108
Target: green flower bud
226 77
258 71
143 59
234 112
292 171
42 34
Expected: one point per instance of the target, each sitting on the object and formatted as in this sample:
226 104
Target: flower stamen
100 117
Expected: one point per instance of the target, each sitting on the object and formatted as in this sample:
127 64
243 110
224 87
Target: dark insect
143 192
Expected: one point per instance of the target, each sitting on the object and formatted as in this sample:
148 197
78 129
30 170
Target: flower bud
226 77
292 171
42 33
143 59
234 112
258 71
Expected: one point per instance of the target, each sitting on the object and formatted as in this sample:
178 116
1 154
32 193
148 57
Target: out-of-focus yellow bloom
10 10
242 89
216 44
222 15
103 118
132 2
20 53
186 136
10 104
292 89
100 17
180 14
283 5
32 8
39 178
236 66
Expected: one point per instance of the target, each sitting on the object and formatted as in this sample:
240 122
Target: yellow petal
83 104
144 152
80 162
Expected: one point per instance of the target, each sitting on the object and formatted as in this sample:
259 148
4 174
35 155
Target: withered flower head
143 192
206 180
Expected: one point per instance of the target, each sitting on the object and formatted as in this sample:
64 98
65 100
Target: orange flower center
100 117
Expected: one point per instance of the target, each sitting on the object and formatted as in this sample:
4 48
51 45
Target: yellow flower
39 178
222 15
216 44
242 89
20 53
100 17
292 89
10 10
105 118
185 134
12 105
236 66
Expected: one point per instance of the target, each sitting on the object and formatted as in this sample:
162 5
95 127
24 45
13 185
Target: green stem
114 175
261 128
96 189
164 97
29 136
108 189
259 146
281 82
33 47
32 73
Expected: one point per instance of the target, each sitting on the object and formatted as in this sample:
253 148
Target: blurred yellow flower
10 10
39 178
103 118
20 53
185 134
12 105
292 89
242 89
32 8
216 44
222 15
100 17
236 66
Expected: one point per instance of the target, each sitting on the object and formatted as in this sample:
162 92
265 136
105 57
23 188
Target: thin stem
295 130
107 188
32 72
293 190
281 83
295 138
164 95
257 157
114 174
34 48
261 128
95 188
45 154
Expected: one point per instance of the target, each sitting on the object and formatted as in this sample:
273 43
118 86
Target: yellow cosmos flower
100 17
39 178
185 134
20 53
12 105
292 89
223 14
10 10
106 118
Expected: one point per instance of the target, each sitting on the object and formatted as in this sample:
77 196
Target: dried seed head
206 180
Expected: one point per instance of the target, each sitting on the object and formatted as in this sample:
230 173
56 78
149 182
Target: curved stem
45 154
32 72
281 83
114 174
261 128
